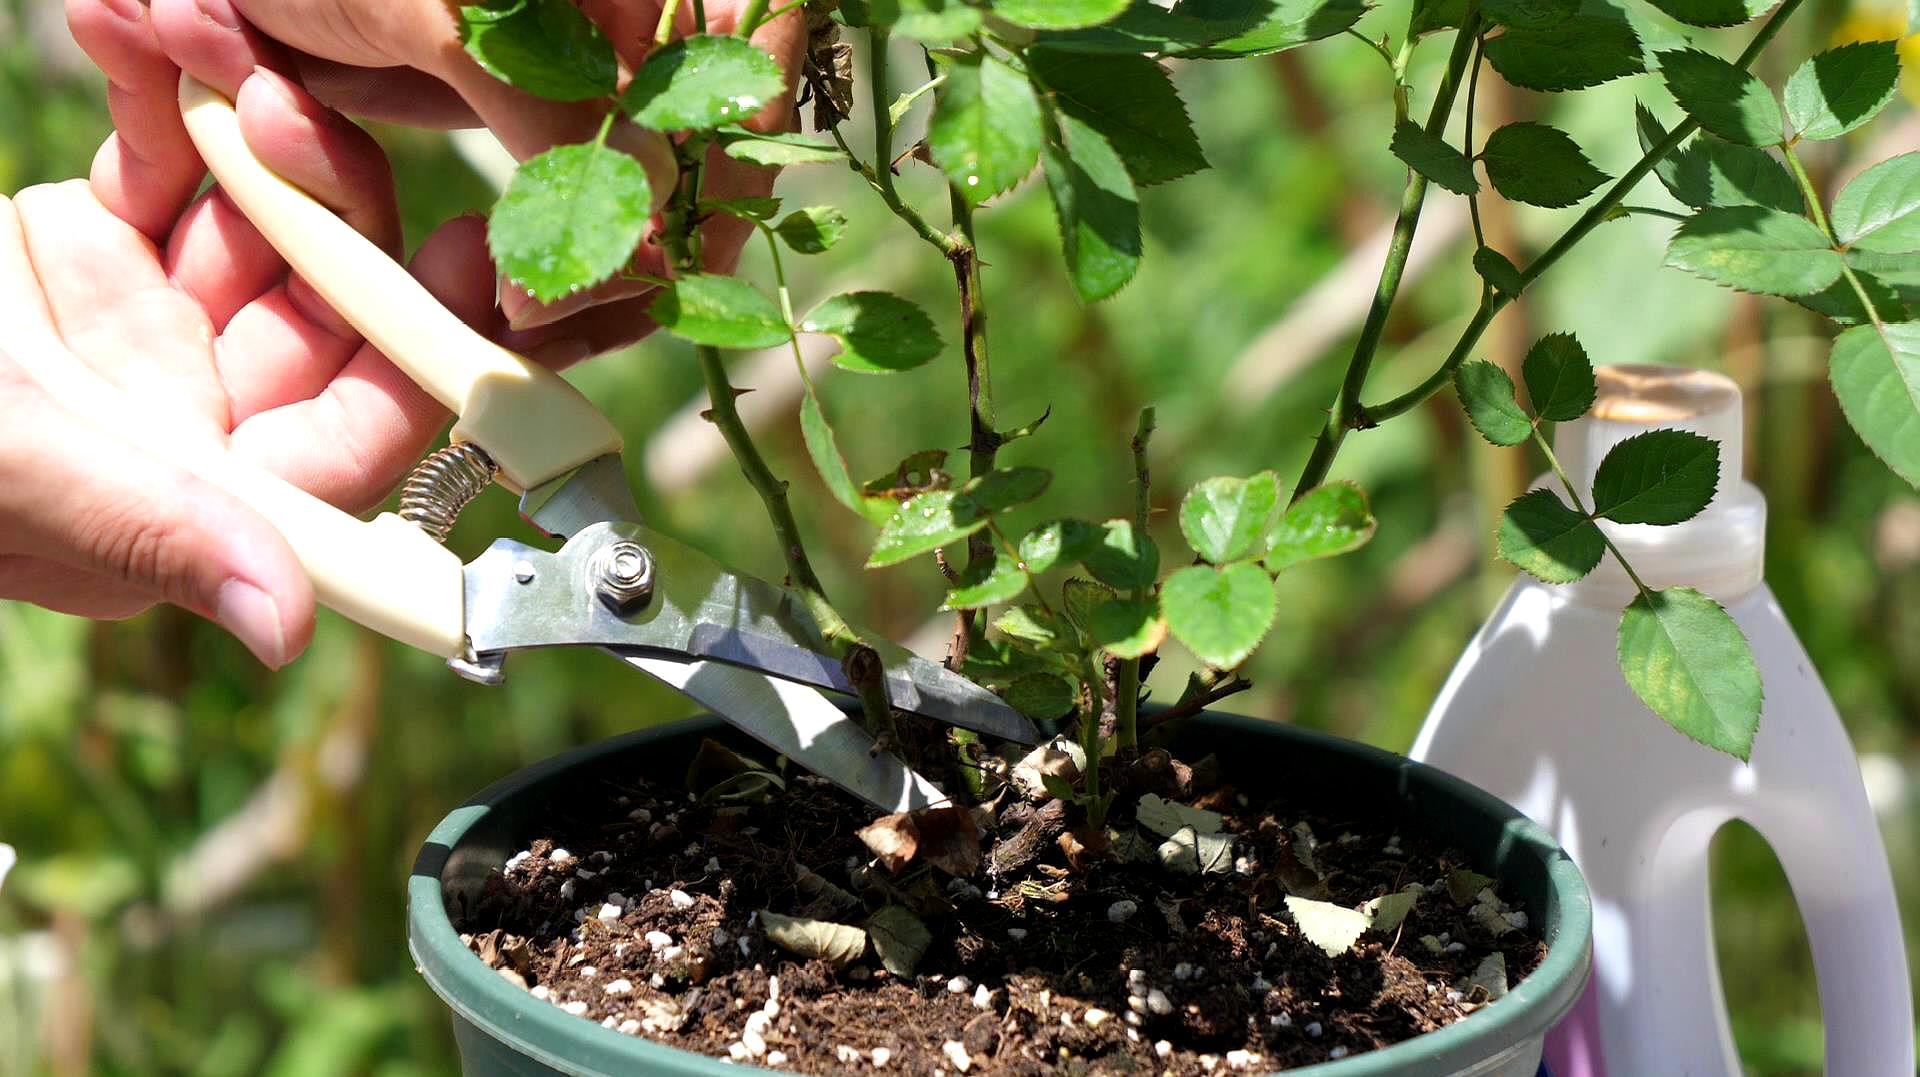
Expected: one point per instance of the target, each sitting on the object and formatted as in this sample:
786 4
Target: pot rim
480 996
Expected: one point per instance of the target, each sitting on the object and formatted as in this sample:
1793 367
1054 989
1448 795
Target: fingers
594 331
75 495
399 95
211 40
65 589
147 169
322 153
354 440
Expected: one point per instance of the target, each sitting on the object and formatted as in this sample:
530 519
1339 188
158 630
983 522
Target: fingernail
221 13
130 10
252 615
279 83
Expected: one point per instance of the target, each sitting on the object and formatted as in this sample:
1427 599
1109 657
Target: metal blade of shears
799 723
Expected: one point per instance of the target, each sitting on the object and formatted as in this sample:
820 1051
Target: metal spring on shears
442 485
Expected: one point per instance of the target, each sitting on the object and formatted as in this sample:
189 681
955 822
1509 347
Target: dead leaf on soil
1031 773
1388 910
1463 885
1166 817
841 944
949 839
1333 928
892 839
899 938
821 892
1489 981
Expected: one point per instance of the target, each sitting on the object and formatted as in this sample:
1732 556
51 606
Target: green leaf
1096 208
1755 249
1842 304
1487 394
1709 12
1147 27
1841 89
1386 912
824 449
1880 210
1497 270
985 132
1687 661
1326 521
702 82
778 151
1433 157
747 209
813 230
1059 542
1227 519
1430 16
1539 165
1124 559
988 582
725 312
1588 49
1286 24
1221 614
1544 538
1878 382
879 332
1080 597
1723 98
1039 695
925 523
570 219
900 939
1559 378
1031 624
1128 628
1059 14
1709 171
545 47
1003 488
1529 14
1131 102
1659 477
924 20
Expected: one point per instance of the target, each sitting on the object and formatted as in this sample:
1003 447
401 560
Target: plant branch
1220 684
1597 214
751 16
1819 215
1126 705
1580 506
1346 413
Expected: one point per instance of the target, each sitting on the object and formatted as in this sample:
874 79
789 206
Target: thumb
74 494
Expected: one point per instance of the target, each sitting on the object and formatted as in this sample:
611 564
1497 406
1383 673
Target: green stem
1580 506
941 242
663 30
751 17
1346 412
1126 708
1473 200
1819 215
1597 214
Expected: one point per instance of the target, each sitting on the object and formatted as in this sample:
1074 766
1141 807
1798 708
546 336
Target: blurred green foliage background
212 857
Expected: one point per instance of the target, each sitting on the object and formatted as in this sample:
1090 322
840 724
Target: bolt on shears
746 649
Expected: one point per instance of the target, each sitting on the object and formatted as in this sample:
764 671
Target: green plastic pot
502 1030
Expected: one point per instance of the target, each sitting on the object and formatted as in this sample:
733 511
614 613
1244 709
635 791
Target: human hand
402 61
177 301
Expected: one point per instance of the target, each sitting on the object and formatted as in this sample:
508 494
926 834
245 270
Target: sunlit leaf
1879 210
1559 378
1755 249
813 230
1096 208
569 219
985 132
545 47
925 523
1487 394
1221 614
1326 521
1877 379
1131 102
1690 664
1544 538
1659 477
1226 519
725 312
703 81
1539 165
1841 89
1333 928
879 332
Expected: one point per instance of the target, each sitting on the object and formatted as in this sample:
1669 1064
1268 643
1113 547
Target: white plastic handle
531 421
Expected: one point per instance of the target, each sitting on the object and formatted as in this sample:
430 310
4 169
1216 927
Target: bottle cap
1720 551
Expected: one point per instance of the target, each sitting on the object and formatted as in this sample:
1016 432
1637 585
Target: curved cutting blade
799 723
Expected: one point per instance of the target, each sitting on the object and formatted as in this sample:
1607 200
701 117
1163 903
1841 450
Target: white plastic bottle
1536 712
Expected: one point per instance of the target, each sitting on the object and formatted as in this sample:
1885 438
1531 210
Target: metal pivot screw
623 575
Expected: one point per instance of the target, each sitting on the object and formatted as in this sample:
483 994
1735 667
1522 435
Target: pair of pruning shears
746 649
